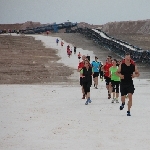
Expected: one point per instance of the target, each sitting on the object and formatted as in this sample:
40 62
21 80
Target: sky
97 12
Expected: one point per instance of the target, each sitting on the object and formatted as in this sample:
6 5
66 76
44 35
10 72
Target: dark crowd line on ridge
115 45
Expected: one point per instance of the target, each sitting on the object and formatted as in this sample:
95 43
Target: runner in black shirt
126 72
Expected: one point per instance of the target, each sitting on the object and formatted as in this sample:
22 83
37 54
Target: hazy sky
90 11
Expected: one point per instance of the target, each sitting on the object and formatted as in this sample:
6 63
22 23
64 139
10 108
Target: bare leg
83 93
96 81
110 88
88 95
117 95
114 95
130 101
123 99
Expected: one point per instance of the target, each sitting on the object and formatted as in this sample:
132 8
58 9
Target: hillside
141 26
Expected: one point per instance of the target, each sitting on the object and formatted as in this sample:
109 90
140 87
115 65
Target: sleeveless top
88 74
127 71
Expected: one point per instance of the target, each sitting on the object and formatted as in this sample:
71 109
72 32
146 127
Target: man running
105 69
95 65
80 66
127 71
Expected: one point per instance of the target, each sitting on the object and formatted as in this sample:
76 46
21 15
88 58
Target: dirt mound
24 60
20 26
30 24
16 26
91 26
140 26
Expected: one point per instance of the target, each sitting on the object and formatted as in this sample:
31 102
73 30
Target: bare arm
79 69
109 73
102 68
81 73
136 73
118 73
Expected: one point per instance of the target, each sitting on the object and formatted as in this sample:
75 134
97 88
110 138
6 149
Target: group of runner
117 75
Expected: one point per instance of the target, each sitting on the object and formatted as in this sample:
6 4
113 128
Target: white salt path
54 117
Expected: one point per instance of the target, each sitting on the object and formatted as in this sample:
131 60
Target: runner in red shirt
62 43
105 69
80 66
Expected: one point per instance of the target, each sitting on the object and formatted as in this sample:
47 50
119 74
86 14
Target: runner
69 53
79 56
105 69
101 74
127 71
68 49
80 66
62 43
115 81
47 32
57 41
86 74
75 49
95 65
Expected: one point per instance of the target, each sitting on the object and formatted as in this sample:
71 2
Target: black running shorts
126 88
107 80
96 74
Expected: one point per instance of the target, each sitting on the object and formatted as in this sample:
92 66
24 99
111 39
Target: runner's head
127 57
114 62
96 58
87 63
109 58
83 57
119 62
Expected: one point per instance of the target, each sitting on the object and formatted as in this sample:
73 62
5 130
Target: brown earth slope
24 60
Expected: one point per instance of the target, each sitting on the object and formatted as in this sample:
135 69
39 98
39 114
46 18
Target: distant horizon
97 12
74 22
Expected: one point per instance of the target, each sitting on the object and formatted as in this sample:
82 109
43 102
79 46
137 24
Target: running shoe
86 103
83 96
89 101
113 100
109 96
128 113
116 100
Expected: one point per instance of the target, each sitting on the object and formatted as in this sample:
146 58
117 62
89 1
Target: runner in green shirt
115 81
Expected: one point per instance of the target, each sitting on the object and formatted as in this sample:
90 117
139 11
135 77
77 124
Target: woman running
115 81
86 74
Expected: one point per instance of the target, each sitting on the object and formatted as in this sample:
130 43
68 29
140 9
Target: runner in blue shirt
96 66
